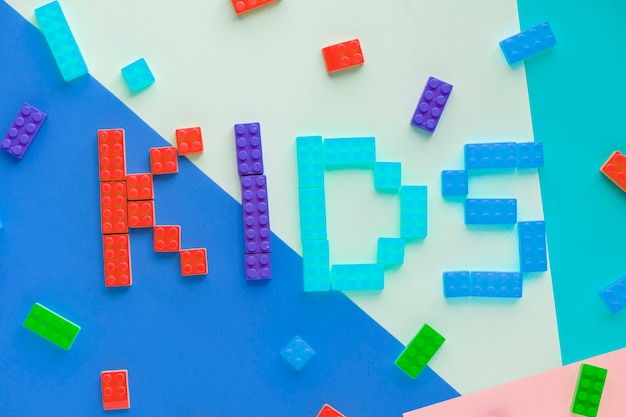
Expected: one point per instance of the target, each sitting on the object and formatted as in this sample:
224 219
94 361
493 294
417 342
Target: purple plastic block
431 104
258 266
256 216
249 153
23 130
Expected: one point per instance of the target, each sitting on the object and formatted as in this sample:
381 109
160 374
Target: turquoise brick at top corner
349 152
387 176
310 158
316 265
138 75
357 277
413 211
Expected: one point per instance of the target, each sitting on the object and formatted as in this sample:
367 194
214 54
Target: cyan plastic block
532 246
456 284
138 75
297 353
310 154
387 176
496 284
454 183
413 212
312 213
390 251
349 152
357 277
528 43
491 155
530 155
316 265
614 296
490 211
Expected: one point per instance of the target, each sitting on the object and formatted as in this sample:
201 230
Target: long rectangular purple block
23 130
248 148
256 215
431 104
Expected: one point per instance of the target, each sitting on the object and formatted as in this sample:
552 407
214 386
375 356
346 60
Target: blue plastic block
431 104
527 43
61 41
312 213
496 284
490 211
316 265
530 155
310 161
387 176
413 212
349 152
614 296
138 76
454 183
297 353
390 251
456 284
490 155
357 277
532 246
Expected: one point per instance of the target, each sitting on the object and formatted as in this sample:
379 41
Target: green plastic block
51 326
390 251
312 214
357 277
413 212
310 161
588 390
349 152
420 351
387 176
315 265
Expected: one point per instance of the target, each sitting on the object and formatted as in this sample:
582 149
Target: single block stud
413 212
117 272
61 41
343 55
454 183
316 265
615 169
328 411
420 351
248 148
390 251
139 187
349 152
431 104
387 176
490 211
312 213
49 325
115 395
163 160
141 213
167 238
256 216
138 76
496 284
357 277
532 246
527 43
112 154
258 266
614 296
193 262
23 131
530 155
310 155
189 141
588 391
244 6
491 155
297 353
114 207
456 284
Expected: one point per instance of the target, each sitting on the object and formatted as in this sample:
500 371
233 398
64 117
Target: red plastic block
113 207
117 271
140 187
141 213
328 411
112 155
193 262
243 6
163 160
615 169
189 141
115 394
343 55
167 238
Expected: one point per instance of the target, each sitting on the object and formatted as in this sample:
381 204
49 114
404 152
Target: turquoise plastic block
387 176
413 212
310 154
357 277
61 41
312 214
138 76
349 152
390 251
316 265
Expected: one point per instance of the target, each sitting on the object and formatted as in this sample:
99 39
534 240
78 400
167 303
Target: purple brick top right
248 147
431 104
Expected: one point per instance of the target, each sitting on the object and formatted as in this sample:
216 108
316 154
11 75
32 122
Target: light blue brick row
490 211
357 277
310 154
138 75
490 155
316 265
456 284
387 176
614 296
61 41
532 246
496 284
312 214
527 43
390 251
349 152
413 212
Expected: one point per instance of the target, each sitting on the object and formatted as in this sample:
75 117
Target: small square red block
164 160
343 55
167 238
112 155
113 207
615 169
243 6
193 262
115 394
140 187
328 411
189 141
141 213
117 271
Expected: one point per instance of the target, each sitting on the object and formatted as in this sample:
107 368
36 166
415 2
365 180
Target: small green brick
588 390
51 326
420 351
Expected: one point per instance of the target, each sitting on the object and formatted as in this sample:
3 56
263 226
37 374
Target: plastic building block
530 155
614 296
139 187
328 411
297 353
310 161
167 238
258 266
249 150
113 207
588 392
189 141
420 351
112 155
454 183
615 169
350 152
61 41
312 213
413 212
316 265
193 262
115 395
431 104
141 213
138 76
163 160
23 131
49 325
491 155
456 284
256 216
390 251
532 246
527 43
387 176
490 211
117 272
357 277
244 6
343 55
496 284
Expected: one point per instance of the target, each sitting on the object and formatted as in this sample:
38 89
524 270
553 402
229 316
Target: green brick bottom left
51 326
